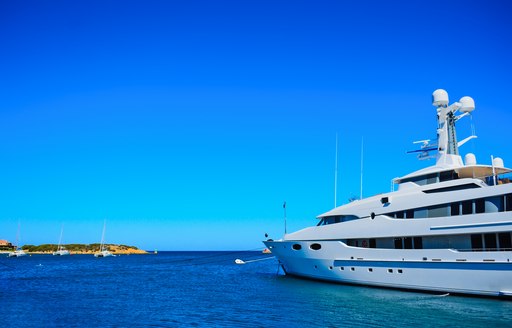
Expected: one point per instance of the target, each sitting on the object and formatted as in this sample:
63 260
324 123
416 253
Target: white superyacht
446 229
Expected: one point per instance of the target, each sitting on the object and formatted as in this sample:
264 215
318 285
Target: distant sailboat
18 252
61 250
103 252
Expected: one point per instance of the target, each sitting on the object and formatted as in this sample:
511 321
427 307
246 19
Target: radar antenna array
425 149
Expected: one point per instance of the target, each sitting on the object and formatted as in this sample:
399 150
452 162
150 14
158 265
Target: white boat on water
18 252
61 250
446 229
103 252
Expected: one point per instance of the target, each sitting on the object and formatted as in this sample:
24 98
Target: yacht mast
60 238
448 147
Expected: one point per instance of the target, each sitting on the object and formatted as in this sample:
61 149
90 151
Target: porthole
370 270
400 271
297 247
390 270
330 268
315 247
342 268
352 269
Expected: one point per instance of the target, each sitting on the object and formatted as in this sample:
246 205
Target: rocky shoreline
83 249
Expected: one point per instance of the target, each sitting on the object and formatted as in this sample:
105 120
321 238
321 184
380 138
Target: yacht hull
444 271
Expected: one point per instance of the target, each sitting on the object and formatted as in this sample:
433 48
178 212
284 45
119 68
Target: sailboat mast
60 238
103 235
18 235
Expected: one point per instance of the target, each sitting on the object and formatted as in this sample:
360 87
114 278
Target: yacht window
476 242
408 243
336 219
418 243
423 180
452 188
467 207
508 202
505 241
329 220
409 214
432 178
455 209
400 215
420 213
448 175
315 247
480 205
494 204
296 247
373 244
438 211
398 243
490 241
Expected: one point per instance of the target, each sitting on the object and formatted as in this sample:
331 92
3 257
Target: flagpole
362 154
336 171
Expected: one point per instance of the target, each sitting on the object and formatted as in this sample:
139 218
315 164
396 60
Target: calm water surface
206 289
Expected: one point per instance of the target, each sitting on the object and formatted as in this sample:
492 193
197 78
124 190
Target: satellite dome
470 159
498 162
440 98
468 104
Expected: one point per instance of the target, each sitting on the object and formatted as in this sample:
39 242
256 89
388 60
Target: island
83 249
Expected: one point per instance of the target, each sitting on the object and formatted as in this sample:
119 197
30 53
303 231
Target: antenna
284 209
362 153
336 171
493 170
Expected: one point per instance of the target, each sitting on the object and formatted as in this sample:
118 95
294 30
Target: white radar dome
498 162
468 104
440 98
470 159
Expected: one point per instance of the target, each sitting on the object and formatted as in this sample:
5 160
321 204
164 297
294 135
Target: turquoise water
206 289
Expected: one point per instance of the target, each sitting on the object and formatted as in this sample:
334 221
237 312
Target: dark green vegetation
73 247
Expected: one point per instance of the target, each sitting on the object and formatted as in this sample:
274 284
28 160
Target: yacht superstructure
447 228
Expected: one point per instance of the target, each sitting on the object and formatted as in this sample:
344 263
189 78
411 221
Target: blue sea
206 289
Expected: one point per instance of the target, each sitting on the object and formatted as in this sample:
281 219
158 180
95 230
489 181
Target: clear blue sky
186 124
